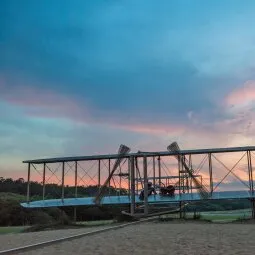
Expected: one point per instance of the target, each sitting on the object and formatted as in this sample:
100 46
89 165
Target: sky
82 77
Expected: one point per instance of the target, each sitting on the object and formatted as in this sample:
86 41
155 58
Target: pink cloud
237 128
45 103
152 128
48 104
242 95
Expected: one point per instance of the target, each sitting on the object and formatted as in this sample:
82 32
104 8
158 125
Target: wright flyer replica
145 183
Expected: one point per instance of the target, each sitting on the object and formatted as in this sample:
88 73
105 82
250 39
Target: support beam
183 174
109 172
191 168
63 181
120 179
179 170
28 182
210 173
76 179
154 171
76 191
132 179
129 178
146 206
250 171
99 175
136 175
179 173
44 172
251 183
159 169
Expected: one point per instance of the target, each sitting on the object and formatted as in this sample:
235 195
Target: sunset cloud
45 103
242 95
92 76
40 102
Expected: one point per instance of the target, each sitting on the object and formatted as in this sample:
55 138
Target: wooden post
146 211
191 168
99 175
109 170
180 183
44 171
76 191
132 179
210 173
63 181
159 170
129 178
154 171
136 176
251 183
76 179
28 182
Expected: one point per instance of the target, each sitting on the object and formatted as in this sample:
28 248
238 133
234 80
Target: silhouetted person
151 190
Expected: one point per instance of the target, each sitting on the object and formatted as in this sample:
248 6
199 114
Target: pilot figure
151 190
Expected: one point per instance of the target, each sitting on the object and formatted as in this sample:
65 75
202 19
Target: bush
64 219
40 218
12 214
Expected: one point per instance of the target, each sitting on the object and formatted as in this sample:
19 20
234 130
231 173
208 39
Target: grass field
10 230
226 215
19 229
217 216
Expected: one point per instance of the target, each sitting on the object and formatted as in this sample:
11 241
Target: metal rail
69 238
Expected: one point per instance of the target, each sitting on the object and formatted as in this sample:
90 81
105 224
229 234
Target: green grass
11 230
219 217
84 224
239 211
230 215
216 216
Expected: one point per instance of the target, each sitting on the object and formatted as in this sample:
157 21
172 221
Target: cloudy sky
82 77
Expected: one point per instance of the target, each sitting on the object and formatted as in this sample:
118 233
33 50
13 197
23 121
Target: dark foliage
19 186
12 192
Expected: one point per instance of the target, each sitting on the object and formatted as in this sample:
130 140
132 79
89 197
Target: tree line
52 190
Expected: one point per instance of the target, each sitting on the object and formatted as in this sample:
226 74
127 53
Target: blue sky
81 77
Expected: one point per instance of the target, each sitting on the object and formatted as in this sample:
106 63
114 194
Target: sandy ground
163 238
10 241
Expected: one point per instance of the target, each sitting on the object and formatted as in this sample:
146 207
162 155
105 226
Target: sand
163 238
10 241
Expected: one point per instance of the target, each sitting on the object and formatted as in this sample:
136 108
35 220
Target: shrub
40 218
